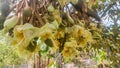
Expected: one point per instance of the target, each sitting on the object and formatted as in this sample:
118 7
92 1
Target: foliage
8 54
49 27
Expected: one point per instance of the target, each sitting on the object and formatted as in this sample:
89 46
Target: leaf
32 45
49 42
44 51
96 35
55 24
70 18
50 8
10 23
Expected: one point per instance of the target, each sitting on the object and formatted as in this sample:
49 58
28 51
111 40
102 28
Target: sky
106 19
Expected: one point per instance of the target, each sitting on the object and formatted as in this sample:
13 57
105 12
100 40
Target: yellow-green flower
75 31
81 31
56 45
86 37
25 33
69 50
59 34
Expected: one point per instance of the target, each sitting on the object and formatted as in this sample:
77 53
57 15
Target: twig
40 20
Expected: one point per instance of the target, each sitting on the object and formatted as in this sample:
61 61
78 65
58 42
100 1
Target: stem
26 3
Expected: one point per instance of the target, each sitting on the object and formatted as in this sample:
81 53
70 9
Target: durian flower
18 35
86 37
45 34
59 34
56 45
10 40
76 31
81 31
23 53
23 34
69 50
47 30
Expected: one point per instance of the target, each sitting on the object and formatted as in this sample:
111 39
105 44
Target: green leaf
49 42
